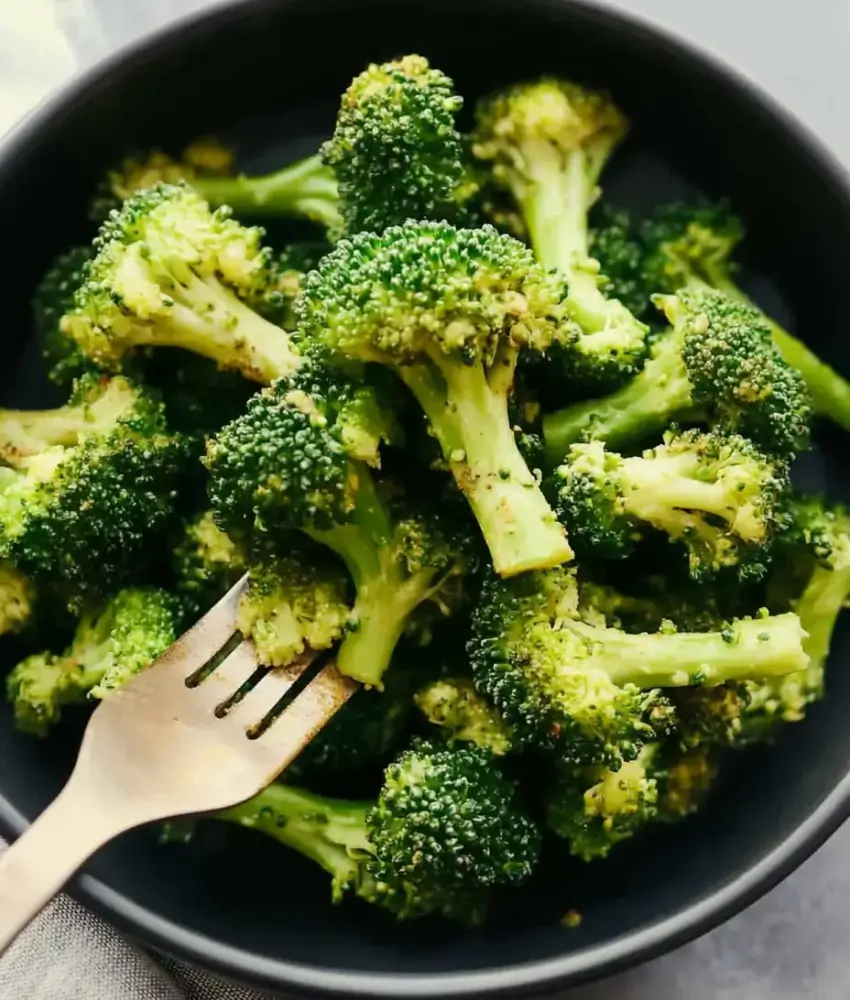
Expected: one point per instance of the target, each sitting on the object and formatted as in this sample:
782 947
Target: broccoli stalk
449 310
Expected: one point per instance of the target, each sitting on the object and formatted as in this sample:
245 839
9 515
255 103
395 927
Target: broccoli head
453 704
18 599
170 272
449 310
206 564
53 297
616 245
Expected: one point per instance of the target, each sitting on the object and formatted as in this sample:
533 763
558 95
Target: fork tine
237 668
261 699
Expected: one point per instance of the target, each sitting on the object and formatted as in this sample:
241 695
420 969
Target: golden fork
203 728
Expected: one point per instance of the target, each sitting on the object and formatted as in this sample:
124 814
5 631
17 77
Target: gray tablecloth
793 943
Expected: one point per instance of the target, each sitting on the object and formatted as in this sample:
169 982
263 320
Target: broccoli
717 363
18 599
53 297
288 269
691 246
548 142
299 459
715 494
591 692
112 643
617 247
445 832
449 311
81 515
396 150
169 272
206 563
295 600
453 704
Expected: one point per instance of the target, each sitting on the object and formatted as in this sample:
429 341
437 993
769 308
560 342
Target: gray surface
794 942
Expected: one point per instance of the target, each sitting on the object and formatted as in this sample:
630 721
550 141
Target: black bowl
270 73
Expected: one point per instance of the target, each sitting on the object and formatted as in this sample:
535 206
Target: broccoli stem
307 188
643 407
331 832
747 649
470 420
208 319
819 607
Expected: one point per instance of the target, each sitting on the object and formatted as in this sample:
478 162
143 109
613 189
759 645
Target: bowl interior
269 76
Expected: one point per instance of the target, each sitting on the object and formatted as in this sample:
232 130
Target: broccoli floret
98 404
713 716
82 515
18 599
713 493
591 692
446 831
548 142
288 268
691 246
112 643
206 564
170 272
617 247
295 600
453 704
299 459
717 363
53 298
449 311
396 150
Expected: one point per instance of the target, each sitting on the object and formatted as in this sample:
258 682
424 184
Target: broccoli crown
18 598
687 244
593 808
206 564
735 371
169 271
113 641
446 828
453 704
426 290
621 257
685 781
712 716
82 515
297 457
714 493
53 297
396 151
296 599
288 268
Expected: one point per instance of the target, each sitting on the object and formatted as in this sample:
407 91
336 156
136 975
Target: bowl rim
626 950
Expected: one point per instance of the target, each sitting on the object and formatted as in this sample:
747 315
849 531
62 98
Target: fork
203 728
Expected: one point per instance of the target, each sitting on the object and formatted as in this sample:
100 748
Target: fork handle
46 855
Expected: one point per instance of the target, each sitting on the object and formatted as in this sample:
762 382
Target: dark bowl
269 74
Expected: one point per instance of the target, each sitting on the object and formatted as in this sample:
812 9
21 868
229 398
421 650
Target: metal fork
203 728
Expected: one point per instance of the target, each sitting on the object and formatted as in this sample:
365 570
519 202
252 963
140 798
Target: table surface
793 943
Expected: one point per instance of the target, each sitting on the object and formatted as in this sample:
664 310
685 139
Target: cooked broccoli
396 150
591 692
715 494
112 643
53 298
82 515
299 459
453 704
169 272
691 246
206 564
717 363
18 598
616 245
288 268
450 310
445 832
548 142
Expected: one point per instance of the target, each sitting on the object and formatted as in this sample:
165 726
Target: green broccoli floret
170 272
591 692
82 515
18 599
53 298
299 459
98 404
717 363
112 643
449 310
396 150
453 704
288 268
548 142
206 564
713 493
692 246
446 831
616 245
298 599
